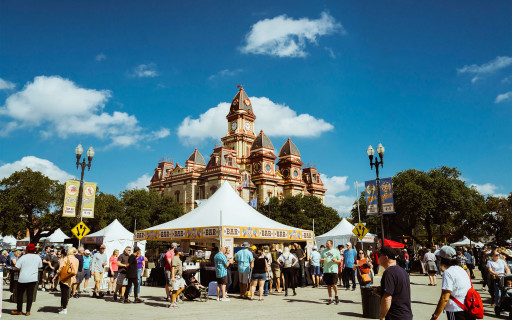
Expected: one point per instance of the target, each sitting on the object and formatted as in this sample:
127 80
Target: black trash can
13 286
370 302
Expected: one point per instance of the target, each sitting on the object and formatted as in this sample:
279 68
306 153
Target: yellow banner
70 198
88 199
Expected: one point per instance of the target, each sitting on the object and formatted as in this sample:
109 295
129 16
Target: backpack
473 305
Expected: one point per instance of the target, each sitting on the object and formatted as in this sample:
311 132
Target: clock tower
240 134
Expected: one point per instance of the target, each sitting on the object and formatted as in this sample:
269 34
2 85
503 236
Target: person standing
301 255
244 258
167 270
221 272
315 266
470 262
341 268
276 268
178 283
331 258
48 269
350 258
430 259
122 281
268 282
87 268
99 261
395 288
68 269
364 269
375 261
407 260
131 275
80 274
495 267
141 266
287 261
112 271
28 265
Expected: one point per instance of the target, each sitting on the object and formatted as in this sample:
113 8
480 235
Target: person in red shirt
375 261
168 270
364 266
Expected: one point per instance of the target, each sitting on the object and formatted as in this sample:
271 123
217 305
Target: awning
393 244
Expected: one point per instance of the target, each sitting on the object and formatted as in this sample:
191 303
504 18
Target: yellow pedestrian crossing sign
360 230
80 230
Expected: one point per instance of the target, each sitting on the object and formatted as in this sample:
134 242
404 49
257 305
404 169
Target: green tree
498 220
31 201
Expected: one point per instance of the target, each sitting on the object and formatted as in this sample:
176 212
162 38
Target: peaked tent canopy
56 237
114 236
340 235
7 242
238 220
463 242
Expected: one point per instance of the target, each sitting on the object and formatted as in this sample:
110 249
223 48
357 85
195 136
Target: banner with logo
88 196
71 198
371 197
386 195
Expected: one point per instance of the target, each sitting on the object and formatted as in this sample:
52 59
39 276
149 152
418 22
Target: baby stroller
193 289
506 296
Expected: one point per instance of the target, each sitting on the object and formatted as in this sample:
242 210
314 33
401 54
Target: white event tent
340 234
56 237
227 211
113 236
7 242
466 242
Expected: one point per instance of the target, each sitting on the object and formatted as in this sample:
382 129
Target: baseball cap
389 252
178 249
87 251
448 252
246 245
253 247
315 247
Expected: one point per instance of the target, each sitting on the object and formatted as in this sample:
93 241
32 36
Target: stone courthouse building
246 160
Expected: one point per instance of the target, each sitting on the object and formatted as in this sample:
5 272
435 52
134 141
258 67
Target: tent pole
220 231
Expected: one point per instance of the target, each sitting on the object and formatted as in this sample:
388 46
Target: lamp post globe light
376 163
79 150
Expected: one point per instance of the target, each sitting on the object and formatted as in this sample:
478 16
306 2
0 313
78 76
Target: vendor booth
224 219
56 238
465 242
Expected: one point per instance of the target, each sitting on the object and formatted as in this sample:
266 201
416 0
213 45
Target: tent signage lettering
307 235
280 234
140 235
179 234
231 232
164 234
265 233
210 232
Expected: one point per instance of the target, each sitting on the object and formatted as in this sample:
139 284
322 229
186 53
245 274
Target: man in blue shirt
244 258
315 266
350 256
221 271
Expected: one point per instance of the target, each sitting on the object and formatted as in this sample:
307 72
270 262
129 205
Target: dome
289 148
241 102
262 141
196 157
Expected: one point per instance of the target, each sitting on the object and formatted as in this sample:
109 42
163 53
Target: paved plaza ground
308 304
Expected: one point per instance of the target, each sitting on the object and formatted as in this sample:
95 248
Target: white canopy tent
340 234
227 210
113 236
464 242
56 237
7 242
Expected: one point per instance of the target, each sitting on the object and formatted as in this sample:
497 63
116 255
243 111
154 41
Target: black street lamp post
90 154
376 163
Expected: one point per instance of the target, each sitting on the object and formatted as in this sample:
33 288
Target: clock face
247 126
295 173
247 102
268 167
233 125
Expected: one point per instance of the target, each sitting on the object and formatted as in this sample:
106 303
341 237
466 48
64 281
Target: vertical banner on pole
70 198
88 196
371 197
386 195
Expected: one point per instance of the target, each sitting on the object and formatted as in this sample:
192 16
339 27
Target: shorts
243 278
330 279
98 276
168 277
459 315
47 274
120 279
87 274
222 280
276 273
259 276
112 274
79 277
178 283
315 270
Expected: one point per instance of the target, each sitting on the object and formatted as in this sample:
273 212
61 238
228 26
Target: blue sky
431 81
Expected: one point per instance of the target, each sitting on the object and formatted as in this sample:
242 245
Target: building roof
241 102
289 148
262 141
197 158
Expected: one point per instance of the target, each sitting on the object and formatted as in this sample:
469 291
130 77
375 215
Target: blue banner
371 197
386 195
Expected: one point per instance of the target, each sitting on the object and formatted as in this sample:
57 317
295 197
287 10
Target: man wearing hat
99 261
244 258
178 283
29 265
395 287
315 266
87 268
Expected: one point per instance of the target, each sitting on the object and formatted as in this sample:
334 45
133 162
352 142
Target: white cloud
503 97
486 188
48 168
100 57
140 183
225 73
507 79
145 71
275 119
475 79
287 37
6 85
336 185
488 67
60 107
331 52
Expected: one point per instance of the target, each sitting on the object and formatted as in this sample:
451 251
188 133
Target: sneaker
218 299
336 300
100 294
43 289
108 292
505 313
138 300
63 311
173 306
94 295
329 302
115 296
225 300
84 291
127 301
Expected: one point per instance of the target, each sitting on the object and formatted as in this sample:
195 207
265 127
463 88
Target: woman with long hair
112 271
287 261
15 257
364 267
67 270
260 273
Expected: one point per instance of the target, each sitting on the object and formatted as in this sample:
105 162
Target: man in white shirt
99 261
28 265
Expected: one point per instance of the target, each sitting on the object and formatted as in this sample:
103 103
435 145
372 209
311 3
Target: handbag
365 278
67 271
